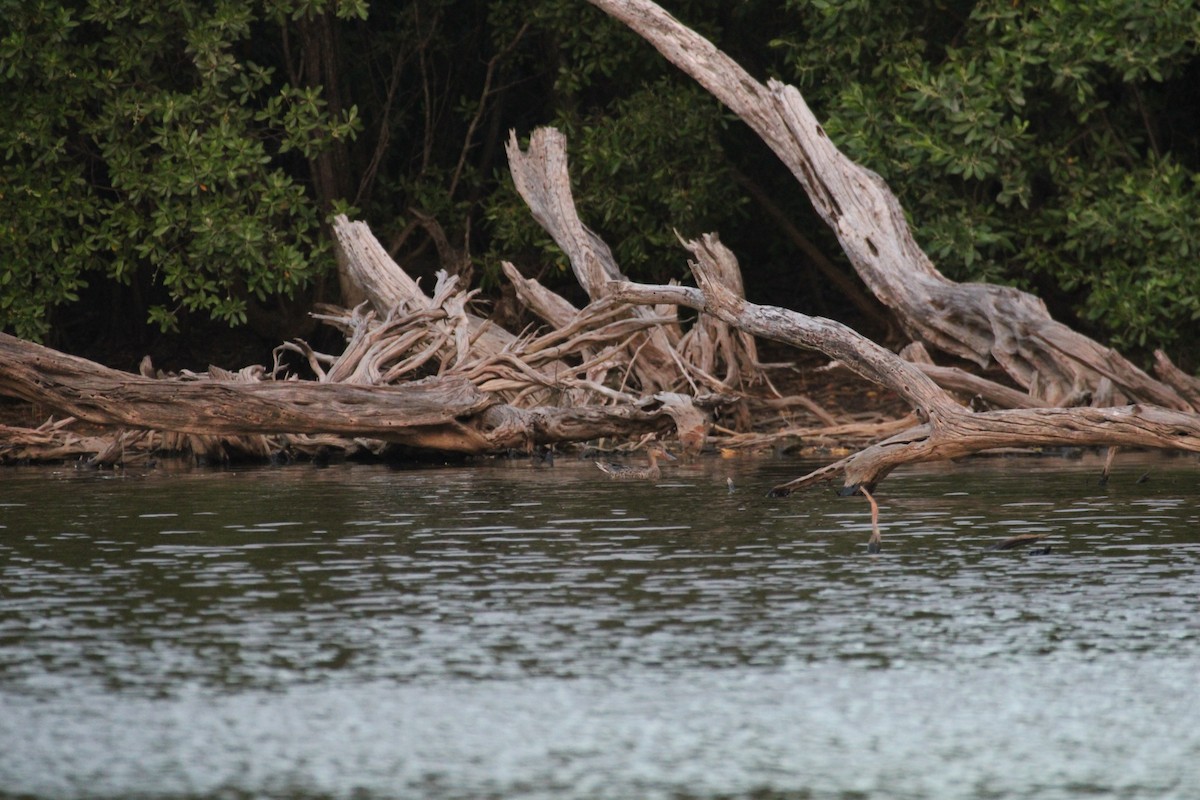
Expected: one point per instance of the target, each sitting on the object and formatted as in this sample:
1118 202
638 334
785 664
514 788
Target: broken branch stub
391 290
662 359
548 305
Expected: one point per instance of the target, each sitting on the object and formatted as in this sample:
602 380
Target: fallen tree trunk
439 414
978 322
951 430
479 376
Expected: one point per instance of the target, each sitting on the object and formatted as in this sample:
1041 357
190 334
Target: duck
628 472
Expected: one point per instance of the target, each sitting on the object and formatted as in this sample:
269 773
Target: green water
506 631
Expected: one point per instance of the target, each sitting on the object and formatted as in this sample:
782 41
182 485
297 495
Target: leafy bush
1049 145
189 151
141 144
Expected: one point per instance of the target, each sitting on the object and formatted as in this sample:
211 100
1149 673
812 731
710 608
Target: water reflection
520 632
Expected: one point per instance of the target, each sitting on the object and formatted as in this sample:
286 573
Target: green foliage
142 146
1129 240
1031 143
188 151
645 142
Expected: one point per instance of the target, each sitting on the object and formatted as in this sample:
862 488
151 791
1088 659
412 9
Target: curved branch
974 321
951 430
827 336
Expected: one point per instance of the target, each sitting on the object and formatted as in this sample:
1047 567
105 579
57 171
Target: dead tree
978 322
448 415
664 358
427 372
949 430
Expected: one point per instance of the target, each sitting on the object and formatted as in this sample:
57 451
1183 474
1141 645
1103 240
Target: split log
977 322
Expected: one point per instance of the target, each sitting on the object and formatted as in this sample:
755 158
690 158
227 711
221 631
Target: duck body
630 472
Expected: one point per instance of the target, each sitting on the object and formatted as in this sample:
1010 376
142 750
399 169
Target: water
509 632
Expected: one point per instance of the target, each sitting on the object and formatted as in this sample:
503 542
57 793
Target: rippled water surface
505 631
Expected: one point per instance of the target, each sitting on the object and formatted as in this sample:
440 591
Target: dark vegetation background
169 168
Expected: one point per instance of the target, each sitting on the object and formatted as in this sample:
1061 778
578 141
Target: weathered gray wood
973 321
440 414
664 357
376 275
950 430
838 341
1136 426
1186 385
95 393
550 306
391 290
541 177
958 380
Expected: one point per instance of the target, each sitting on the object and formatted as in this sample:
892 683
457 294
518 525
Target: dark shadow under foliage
176 167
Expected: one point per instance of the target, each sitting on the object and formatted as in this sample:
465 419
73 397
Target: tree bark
541 177
438 414
664 359
465 337
390 289
977 322
951 430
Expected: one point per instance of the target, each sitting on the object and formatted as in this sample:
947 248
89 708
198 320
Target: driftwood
54 440
438 414
980 323
662 359
428 372
425 374
389 289
950 430
605 352
540 175
977 322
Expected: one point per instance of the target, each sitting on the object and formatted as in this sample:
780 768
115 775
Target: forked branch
981 323
951 430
